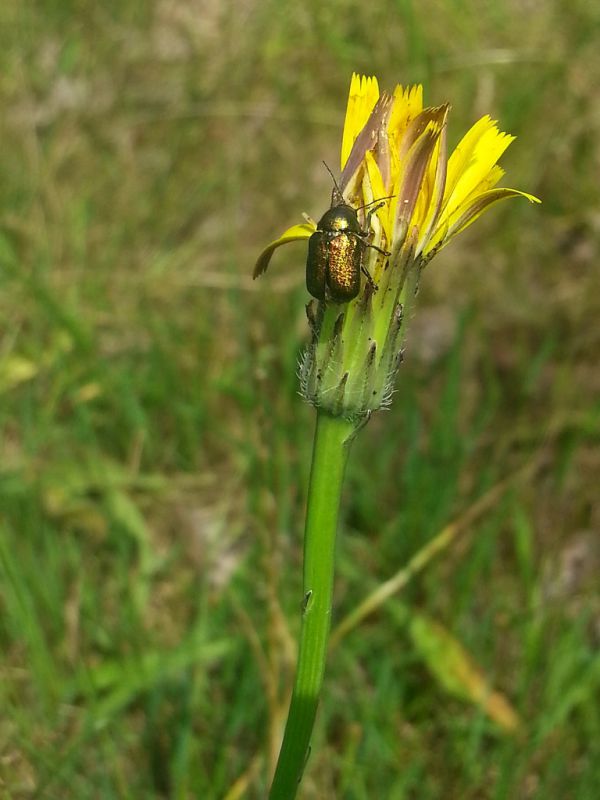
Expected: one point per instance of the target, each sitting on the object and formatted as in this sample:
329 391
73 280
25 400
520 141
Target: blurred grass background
154 454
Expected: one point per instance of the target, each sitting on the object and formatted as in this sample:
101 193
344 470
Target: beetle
336 250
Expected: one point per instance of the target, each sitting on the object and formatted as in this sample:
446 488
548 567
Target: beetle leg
370 214
370 280
363 239
367 231
379 249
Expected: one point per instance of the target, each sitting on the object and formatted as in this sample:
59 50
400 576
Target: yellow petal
494 175
408 104
377 190
436 178
416 192
473 160
364 93
292 234
467 213
367 139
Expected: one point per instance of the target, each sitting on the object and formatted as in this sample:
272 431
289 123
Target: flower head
411 200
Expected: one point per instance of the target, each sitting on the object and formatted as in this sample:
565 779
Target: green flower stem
333 436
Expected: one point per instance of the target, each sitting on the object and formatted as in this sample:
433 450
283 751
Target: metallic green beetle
336 251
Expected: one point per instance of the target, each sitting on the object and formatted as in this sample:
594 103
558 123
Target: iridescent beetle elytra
337 248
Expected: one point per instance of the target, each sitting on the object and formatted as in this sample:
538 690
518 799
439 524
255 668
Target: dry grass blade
419 561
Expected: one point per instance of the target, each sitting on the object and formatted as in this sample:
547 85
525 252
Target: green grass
154 454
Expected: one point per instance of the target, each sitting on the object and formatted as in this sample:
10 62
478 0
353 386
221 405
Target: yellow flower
393 151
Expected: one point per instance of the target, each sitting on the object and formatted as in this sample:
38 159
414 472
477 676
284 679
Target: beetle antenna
389 197
337 189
